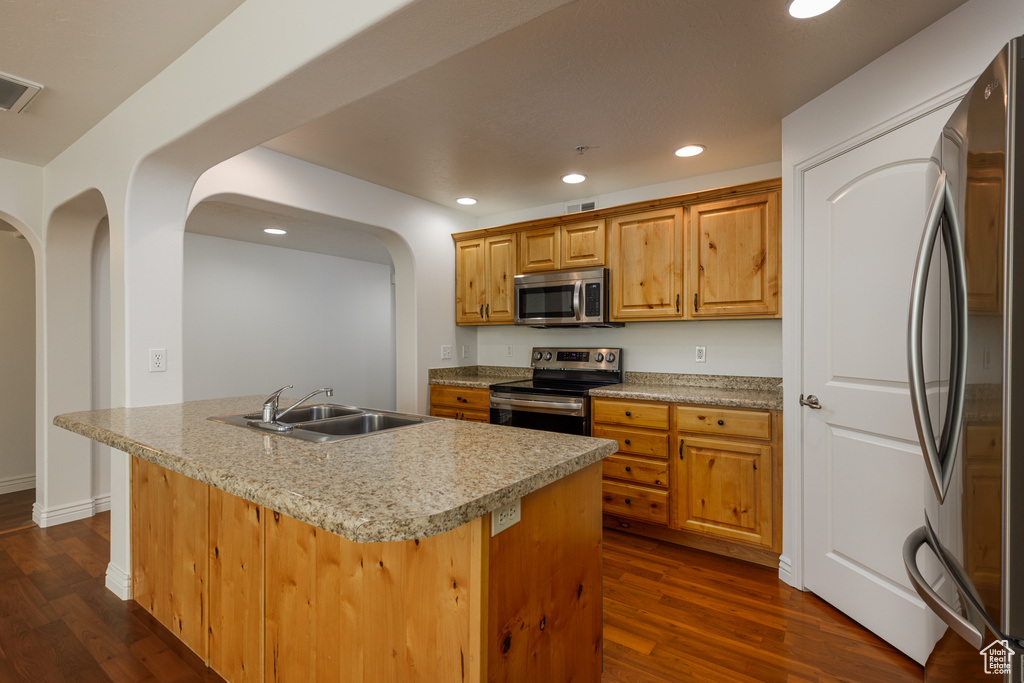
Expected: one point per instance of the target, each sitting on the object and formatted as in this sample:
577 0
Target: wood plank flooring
671 614
16 510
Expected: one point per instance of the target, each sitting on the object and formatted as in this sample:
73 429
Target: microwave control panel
592 299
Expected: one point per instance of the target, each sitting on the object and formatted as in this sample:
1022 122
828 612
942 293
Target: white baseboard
119 582
61 515
786 571
12 484
101 503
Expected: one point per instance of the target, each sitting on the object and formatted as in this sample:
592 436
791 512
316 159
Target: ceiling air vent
15 93
582 205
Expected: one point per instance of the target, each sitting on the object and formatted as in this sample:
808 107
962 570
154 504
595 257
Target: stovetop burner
568 371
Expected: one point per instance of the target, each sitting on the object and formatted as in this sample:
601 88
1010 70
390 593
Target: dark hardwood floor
16 510
671 614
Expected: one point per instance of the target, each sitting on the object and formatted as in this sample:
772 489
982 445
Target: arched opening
17 361
72 478
311 308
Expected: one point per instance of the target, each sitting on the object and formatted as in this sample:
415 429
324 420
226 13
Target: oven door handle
503 401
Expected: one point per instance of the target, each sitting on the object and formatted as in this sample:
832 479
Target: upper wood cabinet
561 247
733 257
485 270
645 257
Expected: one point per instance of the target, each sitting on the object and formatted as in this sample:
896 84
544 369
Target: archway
65 470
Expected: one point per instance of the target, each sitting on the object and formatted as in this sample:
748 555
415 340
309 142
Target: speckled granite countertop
477 376
410 483
713 390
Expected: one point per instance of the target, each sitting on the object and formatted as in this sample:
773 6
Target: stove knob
537 355
610 357
547 355
599 356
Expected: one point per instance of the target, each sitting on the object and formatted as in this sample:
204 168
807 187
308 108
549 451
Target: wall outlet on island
446 352
503 518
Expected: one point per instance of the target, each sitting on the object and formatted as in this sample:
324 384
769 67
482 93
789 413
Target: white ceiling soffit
632 80
244 219
90 56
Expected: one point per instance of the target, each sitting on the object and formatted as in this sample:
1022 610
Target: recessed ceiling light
689 151
275 231
466 201
573 178
805 9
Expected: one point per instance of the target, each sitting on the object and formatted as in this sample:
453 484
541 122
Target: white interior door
864 480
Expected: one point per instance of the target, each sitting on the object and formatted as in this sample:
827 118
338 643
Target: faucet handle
270 405
276 395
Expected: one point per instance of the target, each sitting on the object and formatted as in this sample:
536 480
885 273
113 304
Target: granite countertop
714 390
410 483
477 376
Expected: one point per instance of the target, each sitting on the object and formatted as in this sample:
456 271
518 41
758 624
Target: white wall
257 318
101 359
734 347
17 364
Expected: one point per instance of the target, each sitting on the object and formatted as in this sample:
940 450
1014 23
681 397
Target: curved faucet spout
326 390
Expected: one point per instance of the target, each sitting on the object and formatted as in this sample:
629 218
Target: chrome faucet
271 415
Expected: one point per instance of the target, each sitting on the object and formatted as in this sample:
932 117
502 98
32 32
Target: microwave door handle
939 464
577 308
972 633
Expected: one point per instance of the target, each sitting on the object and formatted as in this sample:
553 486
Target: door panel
864 481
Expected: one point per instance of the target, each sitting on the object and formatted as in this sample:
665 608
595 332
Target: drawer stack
460 403
636 478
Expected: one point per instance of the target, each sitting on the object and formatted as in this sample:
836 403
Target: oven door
552 413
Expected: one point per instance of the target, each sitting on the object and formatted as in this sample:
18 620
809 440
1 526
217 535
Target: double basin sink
327 423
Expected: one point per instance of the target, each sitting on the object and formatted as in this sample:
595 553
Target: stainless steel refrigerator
966 367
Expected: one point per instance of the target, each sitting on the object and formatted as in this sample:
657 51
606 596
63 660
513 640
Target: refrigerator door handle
972 633
939 457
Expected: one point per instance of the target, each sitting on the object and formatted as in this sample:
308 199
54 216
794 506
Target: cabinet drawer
639 502
633 413
463 398
753 424
636 470
635 441
460 414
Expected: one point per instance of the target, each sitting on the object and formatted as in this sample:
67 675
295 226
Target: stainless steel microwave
565 298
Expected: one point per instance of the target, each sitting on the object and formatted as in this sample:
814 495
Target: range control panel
576 359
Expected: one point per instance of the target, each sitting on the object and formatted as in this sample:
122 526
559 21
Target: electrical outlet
158 360
446 352
505 517
508 350
465 351
702 354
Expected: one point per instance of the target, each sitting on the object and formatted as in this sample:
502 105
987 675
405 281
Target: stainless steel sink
326 423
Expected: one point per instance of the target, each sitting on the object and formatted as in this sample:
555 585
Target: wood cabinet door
499 304
470 275
722 488
645 256
540 250
583 245
733 259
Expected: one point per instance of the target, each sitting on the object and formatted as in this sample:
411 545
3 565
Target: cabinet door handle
680 449
695 302
677 303
481 310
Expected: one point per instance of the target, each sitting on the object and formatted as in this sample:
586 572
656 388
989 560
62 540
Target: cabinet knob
628 413
627 501
626 442
657 481
629 469
721 422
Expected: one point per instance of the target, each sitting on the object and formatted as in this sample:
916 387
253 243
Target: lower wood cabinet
460 403
704 476
261 596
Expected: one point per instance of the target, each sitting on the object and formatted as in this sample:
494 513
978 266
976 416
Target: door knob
811 401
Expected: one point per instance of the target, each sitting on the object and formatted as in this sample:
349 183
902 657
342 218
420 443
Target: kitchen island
370 559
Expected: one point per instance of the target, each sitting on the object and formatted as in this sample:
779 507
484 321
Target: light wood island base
264 597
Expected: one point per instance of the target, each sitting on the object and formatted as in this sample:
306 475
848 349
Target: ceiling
630 79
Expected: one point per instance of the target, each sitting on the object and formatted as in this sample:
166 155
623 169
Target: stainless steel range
557 398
